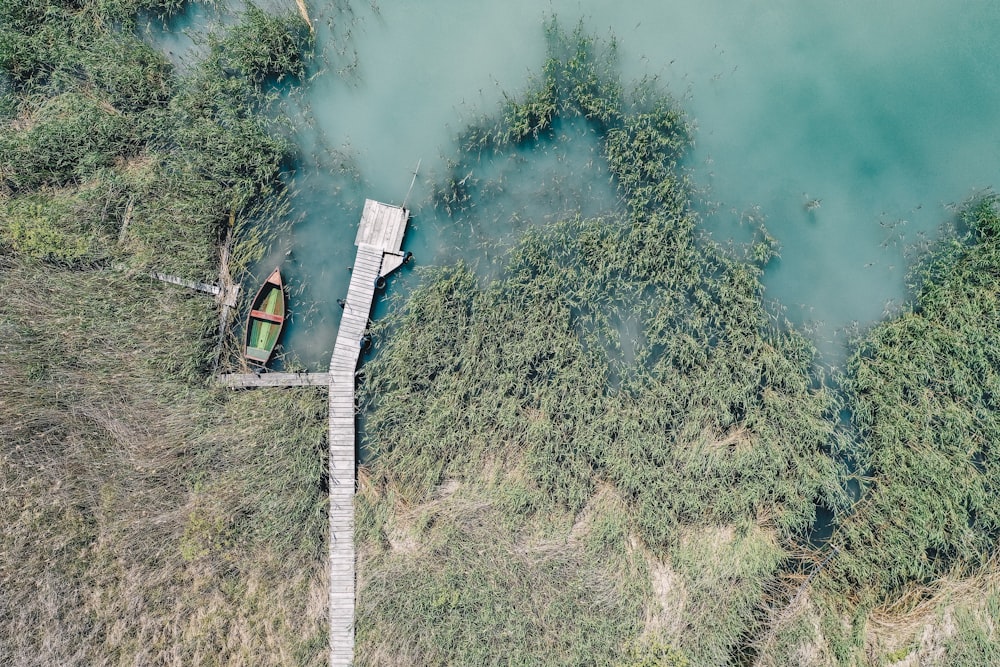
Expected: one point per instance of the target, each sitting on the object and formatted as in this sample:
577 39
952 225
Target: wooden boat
266 320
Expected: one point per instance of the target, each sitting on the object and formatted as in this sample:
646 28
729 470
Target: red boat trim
261 315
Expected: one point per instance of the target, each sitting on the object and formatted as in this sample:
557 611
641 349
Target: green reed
922 389
151 168
520 393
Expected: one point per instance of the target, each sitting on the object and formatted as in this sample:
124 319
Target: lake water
882 114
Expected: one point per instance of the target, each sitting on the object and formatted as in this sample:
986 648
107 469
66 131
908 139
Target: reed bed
923 390
910 575
710 419
632 353
112 158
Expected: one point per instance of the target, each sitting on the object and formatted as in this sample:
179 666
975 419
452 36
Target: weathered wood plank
382 225
191 284
241 380
391 261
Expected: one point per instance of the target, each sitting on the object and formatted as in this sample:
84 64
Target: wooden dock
247 380
379 239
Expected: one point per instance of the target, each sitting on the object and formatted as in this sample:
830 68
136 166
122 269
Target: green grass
152 167
973 636
716 421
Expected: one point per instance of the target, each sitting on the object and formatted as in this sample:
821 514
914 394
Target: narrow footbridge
379 239
247 380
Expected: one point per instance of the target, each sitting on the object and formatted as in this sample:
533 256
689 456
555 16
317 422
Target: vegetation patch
710 415
923 389
92 101
151 519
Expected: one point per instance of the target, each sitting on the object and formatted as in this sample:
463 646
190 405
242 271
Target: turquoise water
853 129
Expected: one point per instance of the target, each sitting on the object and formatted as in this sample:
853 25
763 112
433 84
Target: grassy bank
151 519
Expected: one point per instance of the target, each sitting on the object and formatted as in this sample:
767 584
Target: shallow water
852 128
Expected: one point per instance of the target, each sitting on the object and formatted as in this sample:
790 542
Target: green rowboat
265 321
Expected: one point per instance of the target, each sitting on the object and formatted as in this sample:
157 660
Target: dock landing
379 239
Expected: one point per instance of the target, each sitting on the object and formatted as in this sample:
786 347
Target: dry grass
455 580
736 440
158 521
150 519
665 611
918 628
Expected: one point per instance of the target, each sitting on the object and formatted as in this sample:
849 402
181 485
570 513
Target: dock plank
191 284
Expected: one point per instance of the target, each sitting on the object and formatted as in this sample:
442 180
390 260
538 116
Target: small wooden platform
241 380
382 226
379 239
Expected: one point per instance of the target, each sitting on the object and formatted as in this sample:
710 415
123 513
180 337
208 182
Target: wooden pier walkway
246 380
227 295
379 239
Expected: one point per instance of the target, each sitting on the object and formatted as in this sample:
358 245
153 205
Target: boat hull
265 321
